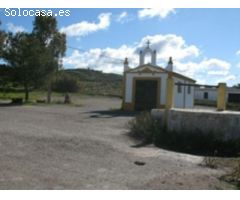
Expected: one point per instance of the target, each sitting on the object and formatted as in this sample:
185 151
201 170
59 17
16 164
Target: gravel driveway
86 147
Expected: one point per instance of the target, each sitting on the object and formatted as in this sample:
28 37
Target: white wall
178 97
190 97
202 121
183 99
212 94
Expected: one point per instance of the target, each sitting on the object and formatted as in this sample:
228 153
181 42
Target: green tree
65 83
2 66
2 39
53 45
237 85
22 53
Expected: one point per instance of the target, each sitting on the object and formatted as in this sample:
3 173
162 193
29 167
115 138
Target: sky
204 43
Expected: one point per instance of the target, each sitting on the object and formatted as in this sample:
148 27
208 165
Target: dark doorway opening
233 98
146 94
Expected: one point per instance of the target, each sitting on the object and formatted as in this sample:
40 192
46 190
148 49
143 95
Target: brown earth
86 147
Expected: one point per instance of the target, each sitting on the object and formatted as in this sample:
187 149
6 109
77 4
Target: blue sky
204 43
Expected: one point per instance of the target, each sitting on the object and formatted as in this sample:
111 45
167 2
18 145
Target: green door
146 95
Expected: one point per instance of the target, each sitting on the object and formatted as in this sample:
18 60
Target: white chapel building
145 86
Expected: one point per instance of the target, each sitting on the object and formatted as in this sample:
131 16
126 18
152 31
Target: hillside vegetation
81 81
96 82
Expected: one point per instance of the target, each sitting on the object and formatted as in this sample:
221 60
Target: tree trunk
49 92
26 92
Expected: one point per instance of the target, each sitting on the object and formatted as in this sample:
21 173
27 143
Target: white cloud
238 65
207 71
123 17
215 64
228 78
155 12
166 46
170 45
84 28
218 73
14 28
108 60
238 53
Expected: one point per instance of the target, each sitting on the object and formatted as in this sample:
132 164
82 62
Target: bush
17 100
143 127
233 177
65 83
149 130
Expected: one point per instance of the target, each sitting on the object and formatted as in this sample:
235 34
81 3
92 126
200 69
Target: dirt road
70 147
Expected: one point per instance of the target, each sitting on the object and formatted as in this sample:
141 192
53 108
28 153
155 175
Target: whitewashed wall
202 121
190 97
183 99
212 94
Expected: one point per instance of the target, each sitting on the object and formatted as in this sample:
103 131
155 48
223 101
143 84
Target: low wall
226 123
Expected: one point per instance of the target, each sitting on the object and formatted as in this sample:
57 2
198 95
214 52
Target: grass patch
33 96
209 162
233 177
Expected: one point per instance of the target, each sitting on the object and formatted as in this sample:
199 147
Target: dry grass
233 175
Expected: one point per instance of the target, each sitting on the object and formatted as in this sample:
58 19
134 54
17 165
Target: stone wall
225 123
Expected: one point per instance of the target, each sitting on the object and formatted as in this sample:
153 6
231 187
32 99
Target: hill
96 82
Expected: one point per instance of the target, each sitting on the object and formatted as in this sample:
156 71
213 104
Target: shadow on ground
111 113
9 104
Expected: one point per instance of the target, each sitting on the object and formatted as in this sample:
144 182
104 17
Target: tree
23 55
53 45
237 85
2 39
65 83
3 71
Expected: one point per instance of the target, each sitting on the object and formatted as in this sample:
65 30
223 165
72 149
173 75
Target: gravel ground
86 147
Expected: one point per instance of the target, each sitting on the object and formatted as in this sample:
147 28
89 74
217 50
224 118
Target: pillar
125 65
169 98
141 58
221 96
170 92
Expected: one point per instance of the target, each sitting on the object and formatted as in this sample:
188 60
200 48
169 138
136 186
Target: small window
205 95
189 89
179 88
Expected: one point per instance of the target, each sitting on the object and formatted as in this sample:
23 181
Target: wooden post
221 96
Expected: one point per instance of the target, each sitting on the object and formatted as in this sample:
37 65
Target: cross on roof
148 43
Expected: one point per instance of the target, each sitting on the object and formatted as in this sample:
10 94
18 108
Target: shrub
17 100
65 83
233 177
209 162
144 127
